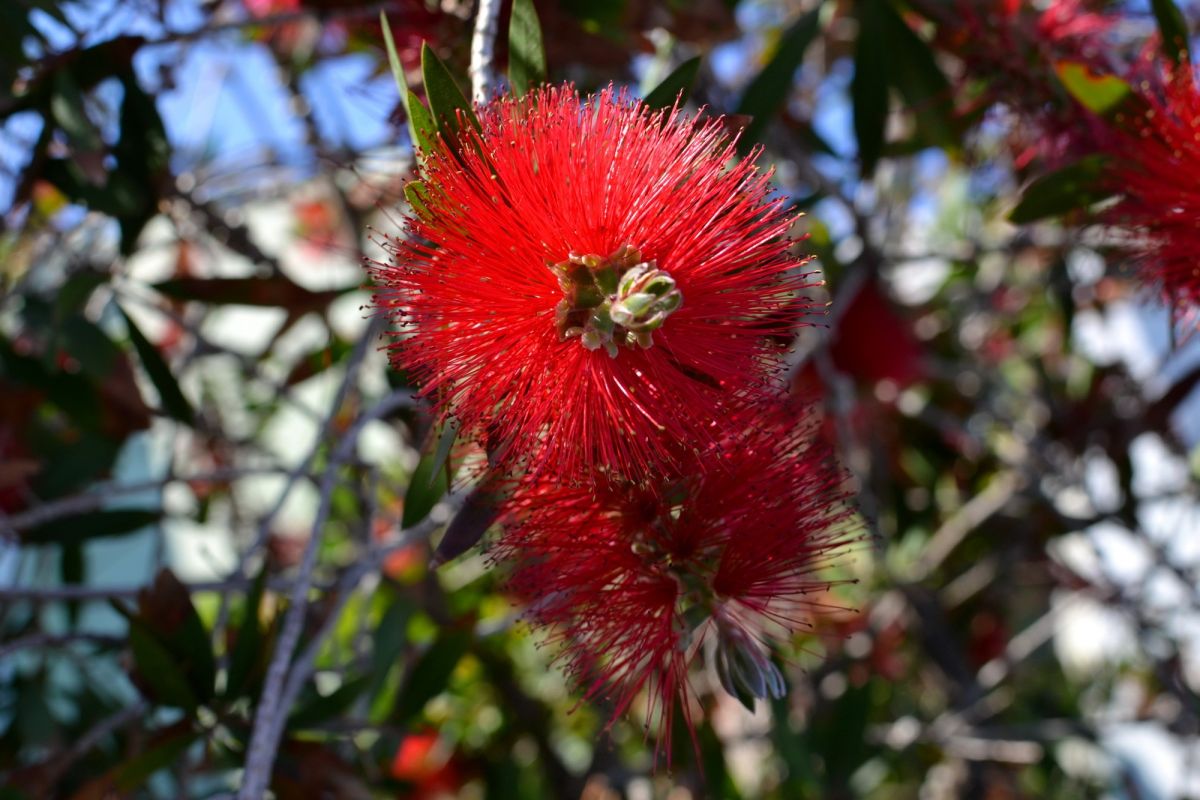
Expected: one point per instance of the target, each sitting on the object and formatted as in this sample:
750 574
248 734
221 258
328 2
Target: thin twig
273 705
483 50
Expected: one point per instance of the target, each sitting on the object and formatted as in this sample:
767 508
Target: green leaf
1174 30
675 86
165 749
429 481
1069 189
67 106
920 81
320 709
769 90
390 637
526 55
1097 93
445 441
421 128
477 514
417 196
247 647
869 88
91 525
393 59
174 403
274 292
159 670
445 98
166 611
430 674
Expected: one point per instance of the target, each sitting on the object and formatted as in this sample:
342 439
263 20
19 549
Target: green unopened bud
743 665
620 299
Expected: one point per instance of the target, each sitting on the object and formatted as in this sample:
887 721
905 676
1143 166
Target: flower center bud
614 300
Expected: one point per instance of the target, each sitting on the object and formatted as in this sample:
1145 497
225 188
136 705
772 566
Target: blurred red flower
631 579
1156 166
422 761
592 280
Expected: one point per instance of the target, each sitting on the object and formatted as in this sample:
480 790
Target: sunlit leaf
174 403
675 86
526 55
771 87
1098 93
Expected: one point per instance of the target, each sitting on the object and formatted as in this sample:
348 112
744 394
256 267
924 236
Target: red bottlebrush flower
591 280
1156 166
633 578
1015 47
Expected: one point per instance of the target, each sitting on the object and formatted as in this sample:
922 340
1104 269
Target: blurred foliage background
199 432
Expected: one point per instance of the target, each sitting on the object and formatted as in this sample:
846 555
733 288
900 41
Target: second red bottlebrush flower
634 579
1156 167
592 281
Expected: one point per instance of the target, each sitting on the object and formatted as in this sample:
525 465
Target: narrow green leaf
426 486
445 98
446 439
247 647
389 640
170 395
421 128
1173 28
430 674
392 57
320 709
869 88
769 90
920 81
91 525
165 749
1097 93
675 86
166 610
1071 188
69 110
417 196
526 55
477 514
158 670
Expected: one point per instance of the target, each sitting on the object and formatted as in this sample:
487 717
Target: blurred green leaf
916 75
429 481
275 291
91 525
1173 28
158 669
526 55
1071 188
1097 93
166 747
675 86
70 112
166 611
318 360
446 100
770 89
389 640
248 644
174 403
430 675
477 514
869 87
321 709
445 441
